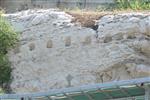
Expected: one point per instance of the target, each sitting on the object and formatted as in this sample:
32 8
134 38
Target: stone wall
51 49
15 5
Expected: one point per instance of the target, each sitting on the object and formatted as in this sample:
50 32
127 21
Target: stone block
49 44
17 49
31 46
87 40
107 39
67 41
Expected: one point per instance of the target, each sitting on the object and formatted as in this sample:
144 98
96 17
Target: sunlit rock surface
52 48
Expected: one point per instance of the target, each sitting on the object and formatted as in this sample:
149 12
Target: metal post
147 92
49 98
68 97
106 94
87 95
124 91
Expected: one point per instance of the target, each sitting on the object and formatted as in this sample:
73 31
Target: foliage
5 70
133 4
8 39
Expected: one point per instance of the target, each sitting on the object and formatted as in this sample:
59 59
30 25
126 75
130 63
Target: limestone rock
49 44
121 50
31 46
145 47
143 70
17 49
87 40
67 41
107 39
148 26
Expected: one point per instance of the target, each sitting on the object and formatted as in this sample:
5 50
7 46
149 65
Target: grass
87 18
119 5
133 4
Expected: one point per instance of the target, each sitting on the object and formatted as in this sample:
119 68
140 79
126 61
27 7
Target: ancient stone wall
18 5
55 53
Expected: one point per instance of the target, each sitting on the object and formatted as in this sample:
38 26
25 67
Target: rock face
54 53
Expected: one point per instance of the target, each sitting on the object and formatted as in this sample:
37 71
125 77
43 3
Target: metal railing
67 92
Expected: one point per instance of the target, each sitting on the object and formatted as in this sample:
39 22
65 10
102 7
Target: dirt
86 19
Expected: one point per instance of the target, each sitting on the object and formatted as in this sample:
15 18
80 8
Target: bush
8 39
5 70
133 4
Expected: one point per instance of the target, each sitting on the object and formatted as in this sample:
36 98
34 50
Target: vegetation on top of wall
133 4
8 39
119 5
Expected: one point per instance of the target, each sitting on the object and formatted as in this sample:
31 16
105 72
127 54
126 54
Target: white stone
45 68
143 69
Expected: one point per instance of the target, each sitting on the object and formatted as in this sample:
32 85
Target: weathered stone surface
121 50
31 46
49 44
87 40
67 41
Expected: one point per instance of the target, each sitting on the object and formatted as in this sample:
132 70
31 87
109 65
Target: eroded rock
49 44
67 41
120 50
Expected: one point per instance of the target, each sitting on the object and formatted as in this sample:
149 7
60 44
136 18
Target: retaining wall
17 5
